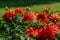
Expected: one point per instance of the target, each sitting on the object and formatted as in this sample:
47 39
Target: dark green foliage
13 30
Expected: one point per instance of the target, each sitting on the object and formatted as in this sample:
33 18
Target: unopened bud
6 8
27 9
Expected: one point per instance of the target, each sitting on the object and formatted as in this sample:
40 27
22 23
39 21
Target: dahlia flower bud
27 9
17 34
6 8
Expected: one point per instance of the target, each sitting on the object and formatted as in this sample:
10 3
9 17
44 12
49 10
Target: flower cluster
48 30
10 13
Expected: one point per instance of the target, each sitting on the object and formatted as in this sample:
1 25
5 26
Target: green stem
47 39
33 39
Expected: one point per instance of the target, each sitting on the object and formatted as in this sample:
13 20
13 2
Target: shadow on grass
23 3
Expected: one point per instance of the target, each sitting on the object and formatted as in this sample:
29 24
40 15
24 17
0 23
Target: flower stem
32 38
47 39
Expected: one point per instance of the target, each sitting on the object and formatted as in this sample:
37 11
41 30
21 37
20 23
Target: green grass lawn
34 7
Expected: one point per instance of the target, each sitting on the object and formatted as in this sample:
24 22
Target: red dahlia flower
37 32
8 14
42 17
58 25
53 18
33 31
19 10
30 16
30 30
49 31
